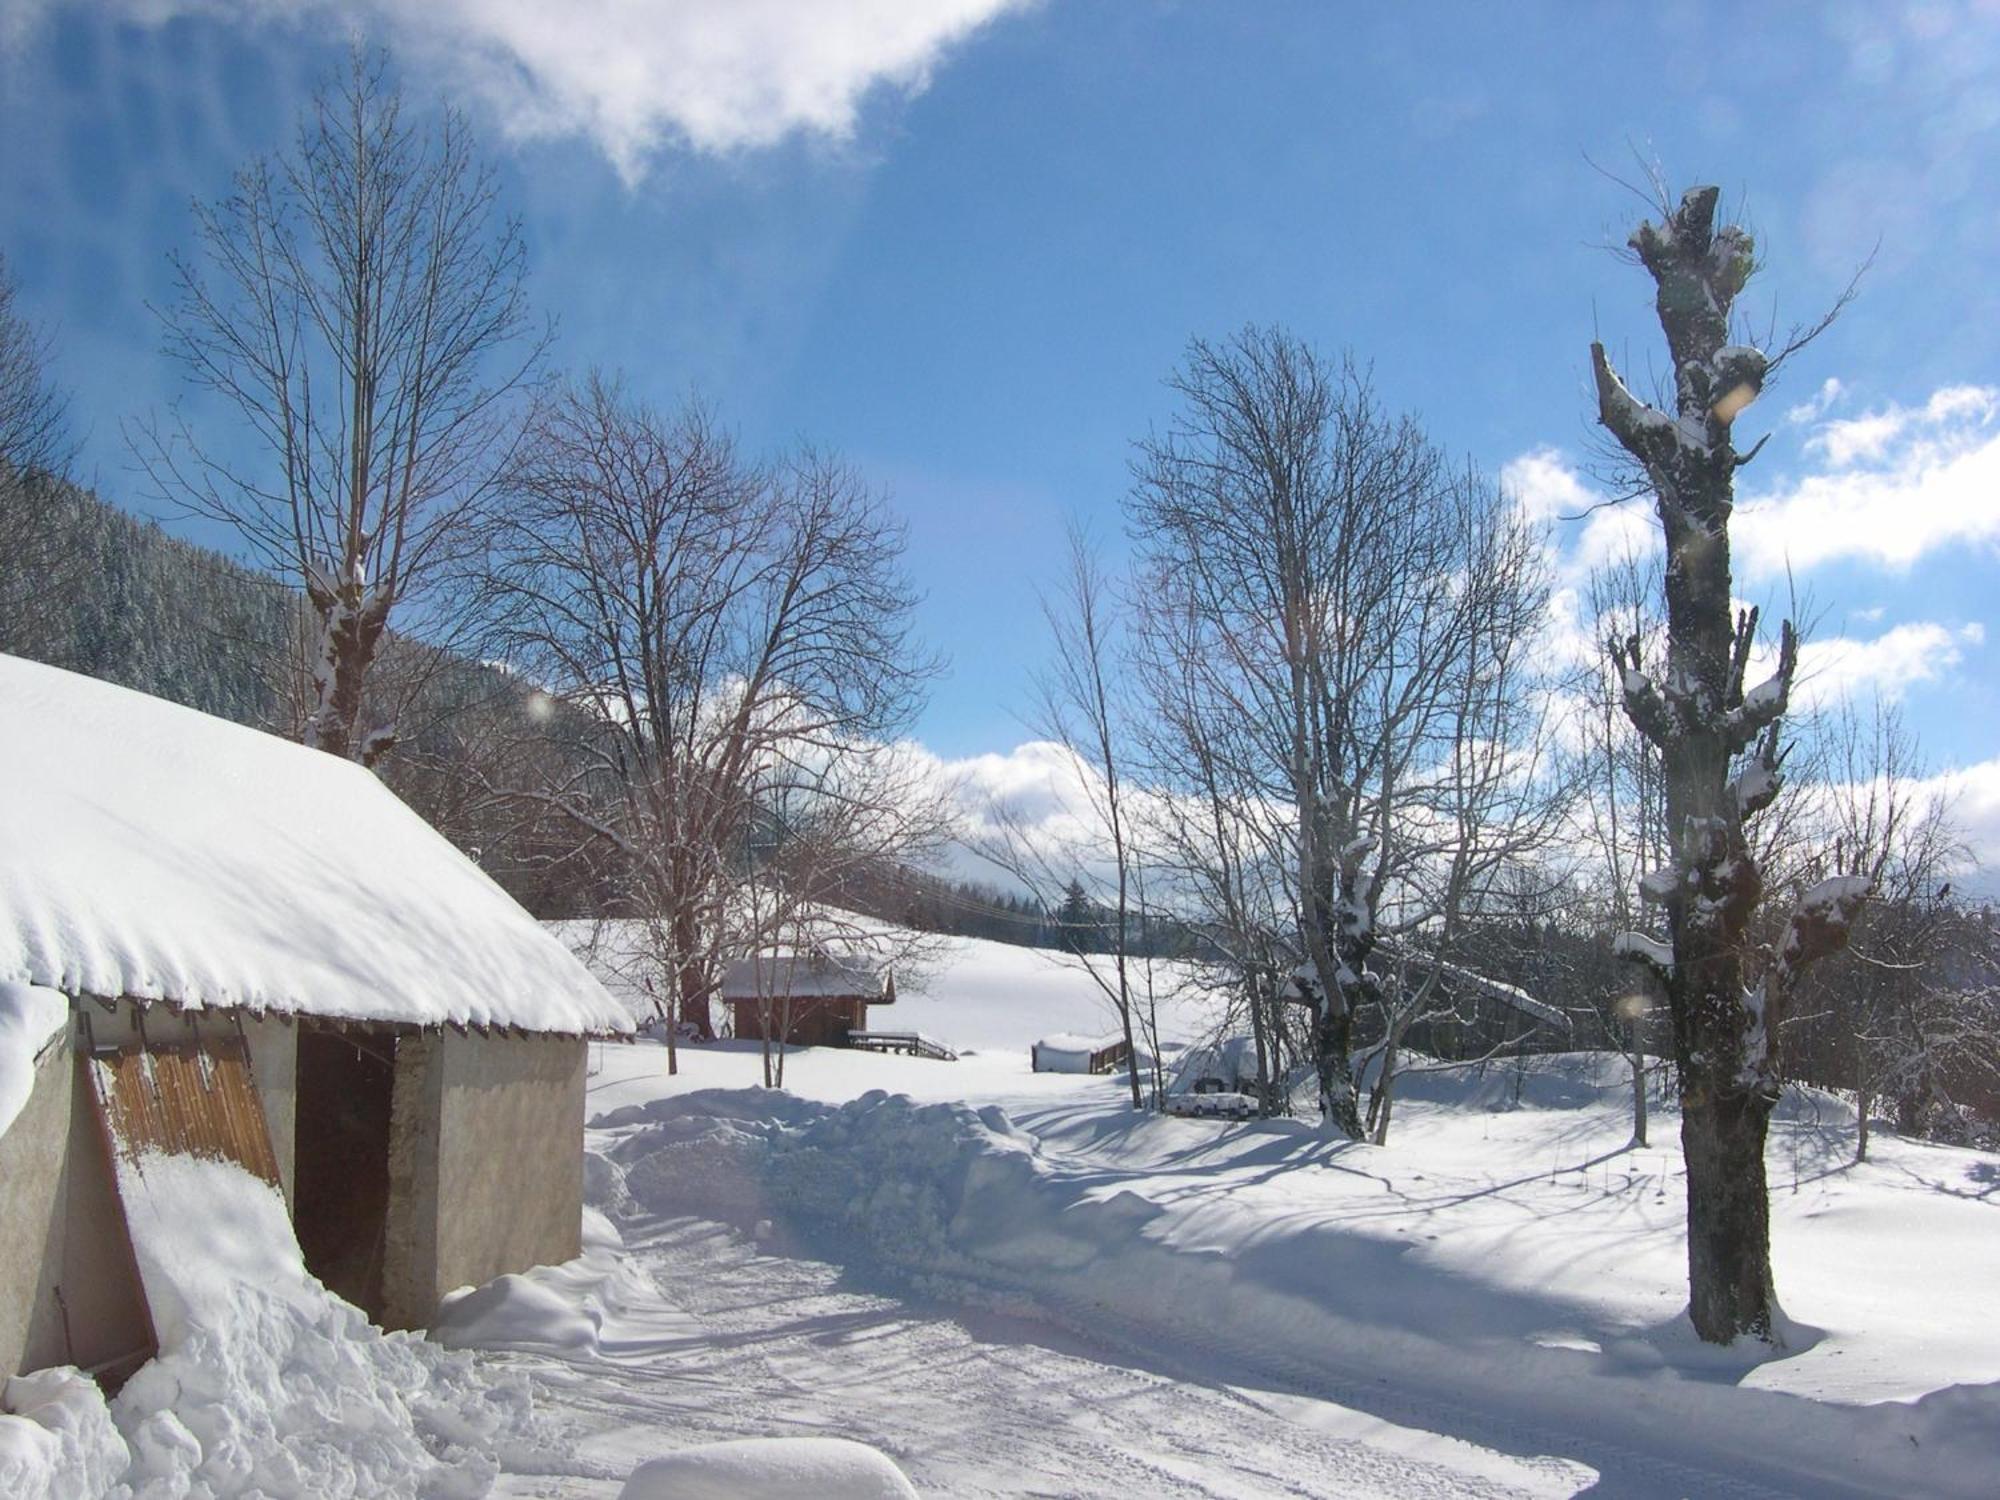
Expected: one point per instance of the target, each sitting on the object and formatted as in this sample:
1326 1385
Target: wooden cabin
809 999
218 943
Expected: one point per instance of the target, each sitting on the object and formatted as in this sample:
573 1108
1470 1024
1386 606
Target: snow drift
958 1202
265 1385
770 1469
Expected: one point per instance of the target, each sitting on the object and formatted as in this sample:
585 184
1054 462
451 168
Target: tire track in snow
979 1406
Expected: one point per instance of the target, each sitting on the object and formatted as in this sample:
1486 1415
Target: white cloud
1547 489
1896 485
1971 798
1869 437
1888 487
1886 667
637 76
1544 486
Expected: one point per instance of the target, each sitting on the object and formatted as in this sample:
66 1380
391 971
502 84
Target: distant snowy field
989 1002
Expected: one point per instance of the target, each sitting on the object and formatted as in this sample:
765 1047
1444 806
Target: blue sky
963 242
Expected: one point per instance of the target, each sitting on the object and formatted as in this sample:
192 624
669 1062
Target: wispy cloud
1830 391
634 76
1885 667
1888 487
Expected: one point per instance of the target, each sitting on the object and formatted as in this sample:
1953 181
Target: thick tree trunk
1701 719
1730 1291
694 1006
1333 1045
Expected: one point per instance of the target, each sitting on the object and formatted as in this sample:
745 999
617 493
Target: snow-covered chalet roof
148 850
805 975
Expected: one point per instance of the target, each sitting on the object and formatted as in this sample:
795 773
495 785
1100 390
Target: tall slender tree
1721 763
358 302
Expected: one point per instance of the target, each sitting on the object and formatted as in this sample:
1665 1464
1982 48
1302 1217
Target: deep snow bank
600 1305
951 1200
265 1385
770 1469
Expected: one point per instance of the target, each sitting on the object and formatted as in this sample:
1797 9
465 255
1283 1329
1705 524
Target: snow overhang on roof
806 976
150 851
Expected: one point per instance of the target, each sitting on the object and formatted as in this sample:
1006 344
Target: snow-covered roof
148 850
1072 1041
803 976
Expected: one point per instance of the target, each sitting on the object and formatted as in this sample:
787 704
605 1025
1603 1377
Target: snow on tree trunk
352 618
1725 1025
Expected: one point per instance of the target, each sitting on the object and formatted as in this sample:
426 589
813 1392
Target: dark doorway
340 1208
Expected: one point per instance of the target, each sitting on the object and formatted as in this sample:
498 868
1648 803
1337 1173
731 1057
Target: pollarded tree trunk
1729 1217
1720 760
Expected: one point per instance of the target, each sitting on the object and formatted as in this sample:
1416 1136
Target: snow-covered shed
811 999
1070 1052
216 942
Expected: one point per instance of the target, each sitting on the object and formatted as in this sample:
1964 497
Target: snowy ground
1037 1292
1014 1285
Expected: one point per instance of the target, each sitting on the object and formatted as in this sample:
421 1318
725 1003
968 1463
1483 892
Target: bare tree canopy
1721 763
1080 704
37 556
1333 631
34 410
358 302
735 640
1910 1016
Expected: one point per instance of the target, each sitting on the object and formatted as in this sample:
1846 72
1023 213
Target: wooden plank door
194 1097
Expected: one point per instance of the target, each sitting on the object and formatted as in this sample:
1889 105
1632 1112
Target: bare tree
738 640
34 410
1339 596
358 302
1482 816
37 562
1079 707
1909 1003
1215 848
1620 808
1721 761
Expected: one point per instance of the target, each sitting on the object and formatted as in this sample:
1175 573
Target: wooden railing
902 1043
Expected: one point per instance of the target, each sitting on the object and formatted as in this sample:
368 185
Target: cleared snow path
1262 1256
974 1405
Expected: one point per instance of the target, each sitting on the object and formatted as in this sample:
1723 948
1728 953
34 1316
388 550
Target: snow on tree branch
1637 948
1821 922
